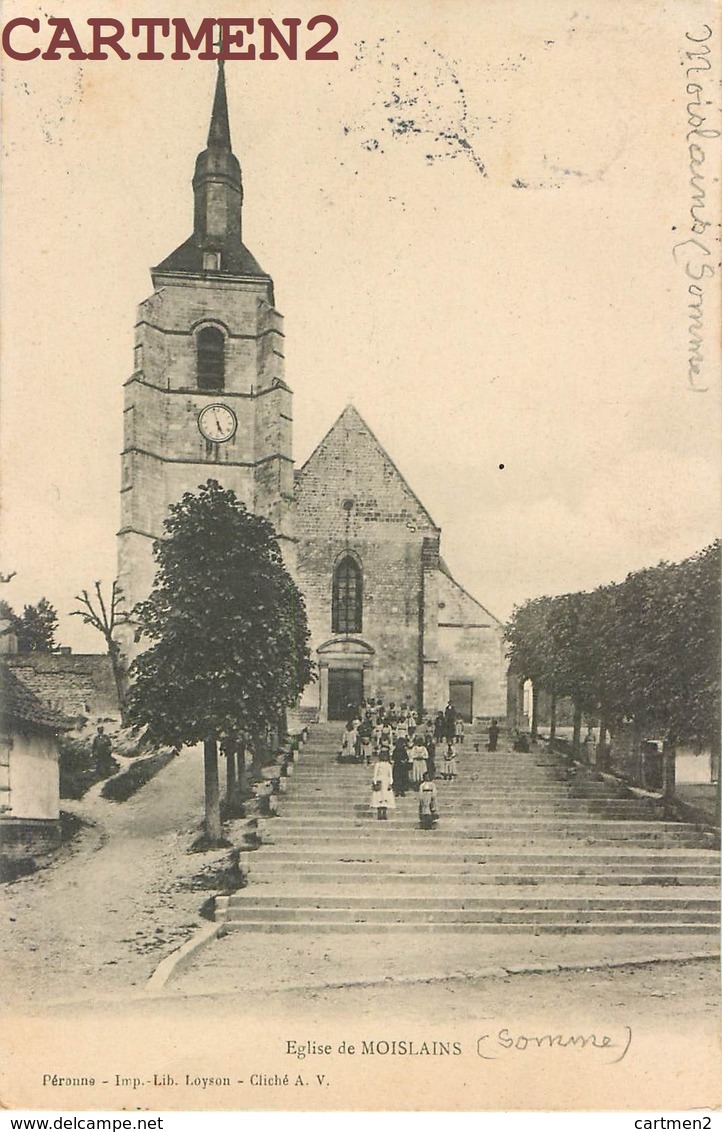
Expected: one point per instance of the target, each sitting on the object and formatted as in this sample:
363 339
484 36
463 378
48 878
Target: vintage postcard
433 289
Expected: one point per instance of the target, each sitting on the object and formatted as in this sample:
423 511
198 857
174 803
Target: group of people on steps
404 752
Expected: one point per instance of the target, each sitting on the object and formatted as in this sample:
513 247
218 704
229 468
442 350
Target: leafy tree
106 617
646 650
527 636
696 707
7 613
577 657
35 629
663 648
228 628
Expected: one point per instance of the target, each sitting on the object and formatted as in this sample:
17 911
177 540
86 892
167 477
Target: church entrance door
461 694
345 689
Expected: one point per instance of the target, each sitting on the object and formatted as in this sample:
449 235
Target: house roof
18 704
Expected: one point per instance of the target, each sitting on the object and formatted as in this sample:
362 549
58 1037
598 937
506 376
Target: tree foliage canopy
646 649
227 624
35 628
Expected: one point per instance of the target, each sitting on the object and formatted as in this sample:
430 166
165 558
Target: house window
347 598
211 261
211 358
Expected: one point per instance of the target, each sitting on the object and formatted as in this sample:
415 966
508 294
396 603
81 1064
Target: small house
29 771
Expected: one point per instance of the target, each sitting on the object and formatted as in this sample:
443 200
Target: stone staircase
520 847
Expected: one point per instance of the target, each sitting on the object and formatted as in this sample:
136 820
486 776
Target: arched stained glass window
347 597
211 358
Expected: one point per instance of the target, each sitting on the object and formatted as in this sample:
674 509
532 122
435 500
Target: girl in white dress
382 794
450 762
418 755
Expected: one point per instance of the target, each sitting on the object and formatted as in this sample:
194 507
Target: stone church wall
475 653
351 498
471 648
391 574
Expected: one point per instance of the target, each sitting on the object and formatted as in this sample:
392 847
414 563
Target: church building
208 398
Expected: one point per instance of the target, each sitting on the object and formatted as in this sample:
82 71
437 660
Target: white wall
34 776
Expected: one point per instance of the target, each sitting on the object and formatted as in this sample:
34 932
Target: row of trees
645 651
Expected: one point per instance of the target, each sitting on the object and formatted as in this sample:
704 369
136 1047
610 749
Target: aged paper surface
483 222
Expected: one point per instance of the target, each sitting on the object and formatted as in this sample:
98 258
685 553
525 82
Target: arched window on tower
347 597
210 345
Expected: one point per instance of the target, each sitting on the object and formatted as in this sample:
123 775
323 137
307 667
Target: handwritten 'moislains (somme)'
152 37
693 254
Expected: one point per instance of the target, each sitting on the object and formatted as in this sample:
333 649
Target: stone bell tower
207 397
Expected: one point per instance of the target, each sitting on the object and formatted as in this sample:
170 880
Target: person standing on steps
348 742
450 722
419 755
386 736
365 737
439 727
402 729
450 762
590 747
493 735
430 750
400 761
382 794
428 810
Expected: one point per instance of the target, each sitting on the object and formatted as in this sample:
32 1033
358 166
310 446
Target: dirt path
665 994
104 914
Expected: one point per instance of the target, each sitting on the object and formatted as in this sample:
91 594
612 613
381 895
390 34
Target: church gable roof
351 464
460 608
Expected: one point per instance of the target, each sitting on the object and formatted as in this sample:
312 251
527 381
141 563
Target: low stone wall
22 839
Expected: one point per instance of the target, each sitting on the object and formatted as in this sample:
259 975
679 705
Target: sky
470 219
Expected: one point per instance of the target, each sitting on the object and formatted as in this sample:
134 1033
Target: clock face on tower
217 423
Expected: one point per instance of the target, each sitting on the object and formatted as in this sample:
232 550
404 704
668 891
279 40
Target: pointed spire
219 133
217 241
217 184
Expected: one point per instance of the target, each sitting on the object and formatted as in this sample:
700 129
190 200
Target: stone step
299 814
359 798
590 903
280 876
553 852
446 795
354 801
328 759
514 828
448 858
522 846
463 787
532 918
380 927
342 771
444 790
